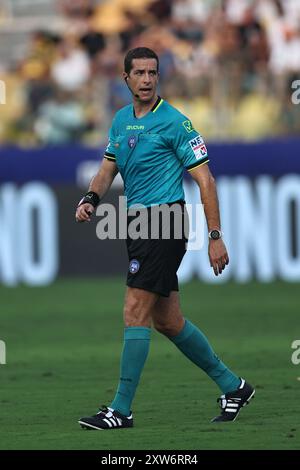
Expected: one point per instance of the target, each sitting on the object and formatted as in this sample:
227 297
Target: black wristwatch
215 234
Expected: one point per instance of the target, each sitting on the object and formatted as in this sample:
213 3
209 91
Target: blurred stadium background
233 66
222 62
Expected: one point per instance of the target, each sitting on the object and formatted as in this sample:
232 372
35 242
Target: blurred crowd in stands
228 64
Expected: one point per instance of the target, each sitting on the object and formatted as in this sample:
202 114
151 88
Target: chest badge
132 141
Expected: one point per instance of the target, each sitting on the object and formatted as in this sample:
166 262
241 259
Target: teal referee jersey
152 152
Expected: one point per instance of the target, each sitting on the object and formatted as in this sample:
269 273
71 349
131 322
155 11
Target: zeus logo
2 352
296 94
2 92
296 354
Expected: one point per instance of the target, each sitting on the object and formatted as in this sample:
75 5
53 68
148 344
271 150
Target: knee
167 329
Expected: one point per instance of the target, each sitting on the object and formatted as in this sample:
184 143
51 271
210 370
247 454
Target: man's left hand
218 255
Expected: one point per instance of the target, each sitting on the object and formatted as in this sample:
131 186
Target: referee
150 144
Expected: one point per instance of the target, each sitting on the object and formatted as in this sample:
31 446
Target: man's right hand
84 212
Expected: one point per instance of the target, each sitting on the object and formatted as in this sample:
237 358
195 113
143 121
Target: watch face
215 234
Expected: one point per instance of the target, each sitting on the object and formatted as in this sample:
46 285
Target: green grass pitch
63 345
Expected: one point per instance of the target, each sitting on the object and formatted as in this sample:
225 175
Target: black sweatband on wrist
90 198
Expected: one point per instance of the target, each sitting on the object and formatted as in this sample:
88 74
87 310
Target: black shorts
153 262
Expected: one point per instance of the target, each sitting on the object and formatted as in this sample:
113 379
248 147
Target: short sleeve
109 153
188 144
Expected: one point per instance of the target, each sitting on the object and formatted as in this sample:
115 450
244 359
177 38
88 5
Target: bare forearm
102 181
217 252
100 184
209 198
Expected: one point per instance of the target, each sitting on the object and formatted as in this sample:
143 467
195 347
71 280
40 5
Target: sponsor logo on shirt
188 126
135 128
198 146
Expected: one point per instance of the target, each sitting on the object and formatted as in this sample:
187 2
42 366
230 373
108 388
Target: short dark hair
139 53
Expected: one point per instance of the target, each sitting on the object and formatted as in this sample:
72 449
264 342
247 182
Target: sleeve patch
188 126
198 147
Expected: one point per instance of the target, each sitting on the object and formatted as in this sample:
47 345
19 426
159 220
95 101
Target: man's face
143 78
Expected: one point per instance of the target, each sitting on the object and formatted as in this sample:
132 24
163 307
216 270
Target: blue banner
60 165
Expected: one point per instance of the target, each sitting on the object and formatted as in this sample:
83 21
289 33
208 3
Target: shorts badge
134 266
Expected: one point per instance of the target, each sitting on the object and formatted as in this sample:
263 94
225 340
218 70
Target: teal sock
194 345
134 355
